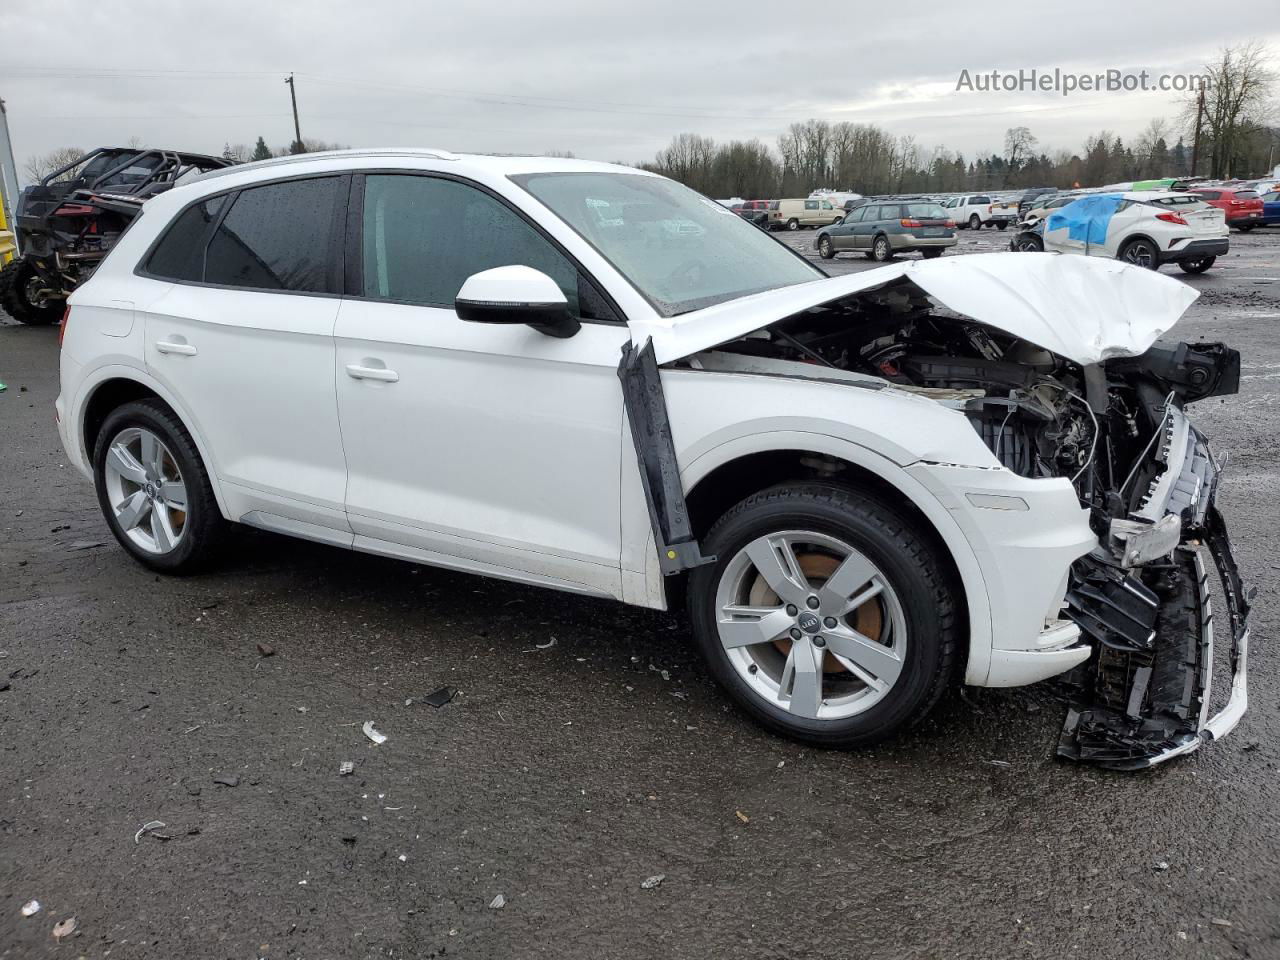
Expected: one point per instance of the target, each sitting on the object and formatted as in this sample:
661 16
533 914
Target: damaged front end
1113 425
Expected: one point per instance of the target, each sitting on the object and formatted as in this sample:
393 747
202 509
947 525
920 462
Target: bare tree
1238 100
1019 144
37 168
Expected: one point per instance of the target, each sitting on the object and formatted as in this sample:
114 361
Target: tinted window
1246 195
856 214
811 204
277 237
424 236
1210 194
180 253
979 199
926 210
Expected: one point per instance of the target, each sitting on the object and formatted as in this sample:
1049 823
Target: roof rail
331 155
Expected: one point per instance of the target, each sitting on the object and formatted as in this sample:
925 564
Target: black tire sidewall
876 246
203 519
825 248
878 530
14 277
1151 247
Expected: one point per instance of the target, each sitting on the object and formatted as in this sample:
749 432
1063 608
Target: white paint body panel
496 449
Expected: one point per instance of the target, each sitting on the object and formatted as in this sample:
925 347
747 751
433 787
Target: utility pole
8 172
297 130
1195 145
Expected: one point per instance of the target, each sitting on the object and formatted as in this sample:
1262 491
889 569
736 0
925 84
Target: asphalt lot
563 776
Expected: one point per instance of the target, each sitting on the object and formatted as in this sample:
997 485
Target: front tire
1196 266
824 247
1028 243
18 283
154 490
1141 253
828 616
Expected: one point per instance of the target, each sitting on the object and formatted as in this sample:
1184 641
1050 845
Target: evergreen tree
260 151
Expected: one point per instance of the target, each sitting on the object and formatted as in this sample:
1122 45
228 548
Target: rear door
244 339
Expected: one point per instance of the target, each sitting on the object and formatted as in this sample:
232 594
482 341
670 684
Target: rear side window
274 237
424 236
277 237
1246 195
180 253
1210 194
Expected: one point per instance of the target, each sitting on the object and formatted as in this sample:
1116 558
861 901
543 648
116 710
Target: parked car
794 214
755 212
977 210
1027 201
854 204
883 229
1271 209
1040 208
416 354
1243 208
1144 228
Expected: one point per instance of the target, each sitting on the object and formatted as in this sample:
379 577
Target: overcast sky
609 81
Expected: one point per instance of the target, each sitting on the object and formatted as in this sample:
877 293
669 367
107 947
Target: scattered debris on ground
266 650
227 781
438 698
650 882
372 734
346 768
64 929
31 908
147 828
498 902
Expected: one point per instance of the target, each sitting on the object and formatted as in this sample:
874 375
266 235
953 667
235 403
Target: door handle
182 349
358 372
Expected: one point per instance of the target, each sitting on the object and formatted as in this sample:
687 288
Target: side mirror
516 294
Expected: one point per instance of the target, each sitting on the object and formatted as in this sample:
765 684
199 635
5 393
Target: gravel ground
563 776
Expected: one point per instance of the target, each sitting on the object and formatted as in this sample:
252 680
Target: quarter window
423 236
180 254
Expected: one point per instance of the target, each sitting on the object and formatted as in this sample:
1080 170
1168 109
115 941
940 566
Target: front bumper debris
1145 600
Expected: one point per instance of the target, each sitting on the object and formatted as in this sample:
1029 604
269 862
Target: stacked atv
72 218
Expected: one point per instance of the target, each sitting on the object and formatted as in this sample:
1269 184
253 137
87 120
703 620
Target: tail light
1171 218
950 224
62 330
1238 203
911 223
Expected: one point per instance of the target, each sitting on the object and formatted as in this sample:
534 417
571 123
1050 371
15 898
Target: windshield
682 251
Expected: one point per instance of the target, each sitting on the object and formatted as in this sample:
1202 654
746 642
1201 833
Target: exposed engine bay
1117 431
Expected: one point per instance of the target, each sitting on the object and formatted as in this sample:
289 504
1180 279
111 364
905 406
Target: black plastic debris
438 698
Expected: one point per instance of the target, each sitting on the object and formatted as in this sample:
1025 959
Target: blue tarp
1087 219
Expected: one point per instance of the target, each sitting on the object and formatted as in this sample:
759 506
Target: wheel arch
109 388
728 473
1133 238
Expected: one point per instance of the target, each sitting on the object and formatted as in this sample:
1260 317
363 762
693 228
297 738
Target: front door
488 447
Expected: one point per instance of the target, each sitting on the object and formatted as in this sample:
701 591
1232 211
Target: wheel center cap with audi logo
809 623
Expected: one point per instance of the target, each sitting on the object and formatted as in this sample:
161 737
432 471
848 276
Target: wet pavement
563 776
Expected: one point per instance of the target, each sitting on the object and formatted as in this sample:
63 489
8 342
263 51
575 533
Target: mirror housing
516 294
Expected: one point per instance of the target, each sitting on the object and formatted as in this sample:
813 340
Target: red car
1243 208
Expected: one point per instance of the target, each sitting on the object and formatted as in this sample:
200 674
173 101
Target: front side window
424 236
277 237
680 250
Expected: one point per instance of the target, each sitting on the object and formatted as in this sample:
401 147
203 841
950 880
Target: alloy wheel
811 625
146 491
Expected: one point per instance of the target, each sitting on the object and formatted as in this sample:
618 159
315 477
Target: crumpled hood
1085 309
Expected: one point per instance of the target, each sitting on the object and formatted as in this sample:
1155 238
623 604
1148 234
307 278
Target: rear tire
793 224
975 222
1245 227
903 640
881 249
145 462
931 253
1196 266
16 280
1001 224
